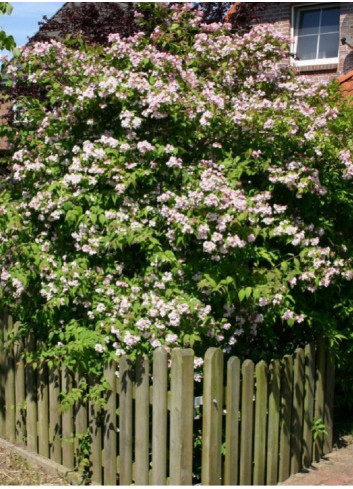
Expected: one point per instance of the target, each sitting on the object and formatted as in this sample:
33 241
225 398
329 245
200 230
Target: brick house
315 31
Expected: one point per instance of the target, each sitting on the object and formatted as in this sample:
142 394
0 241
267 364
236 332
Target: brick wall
4 108
346 30
279 16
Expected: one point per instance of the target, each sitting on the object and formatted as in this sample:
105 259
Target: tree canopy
7 41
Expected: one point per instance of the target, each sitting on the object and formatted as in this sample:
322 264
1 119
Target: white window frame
294 36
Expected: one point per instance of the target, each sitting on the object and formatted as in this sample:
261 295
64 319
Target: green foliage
83 454
318 428
6 41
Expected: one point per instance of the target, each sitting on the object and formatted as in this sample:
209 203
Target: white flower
155 343
208 246
100 307
171 338
99 348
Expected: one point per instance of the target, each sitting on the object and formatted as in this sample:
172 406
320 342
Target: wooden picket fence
255 421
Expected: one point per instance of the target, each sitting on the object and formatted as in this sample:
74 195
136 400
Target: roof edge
232 10
343 78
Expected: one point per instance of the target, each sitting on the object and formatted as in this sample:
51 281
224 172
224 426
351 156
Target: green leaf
241 295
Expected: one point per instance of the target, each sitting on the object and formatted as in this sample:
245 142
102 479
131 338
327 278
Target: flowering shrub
178 189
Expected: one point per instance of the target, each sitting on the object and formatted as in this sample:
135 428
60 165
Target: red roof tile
232 9
346 83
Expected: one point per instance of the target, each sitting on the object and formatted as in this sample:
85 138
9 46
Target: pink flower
288 315
144 146
171 338
209 246
174 162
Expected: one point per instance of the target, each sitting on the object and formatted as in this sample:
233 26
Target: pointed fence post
247 426
95 430
20 389
159 417
110 437
2 377
232 422
142 411
125 421
212 418
297 412
308 404
67 421
81 421
31 399
43 411
181 417
319 412
260 424
10 385
54 415
274 408
286 406
329 398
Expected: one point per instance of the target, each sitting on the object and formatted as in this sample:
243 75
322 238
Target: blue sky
23 21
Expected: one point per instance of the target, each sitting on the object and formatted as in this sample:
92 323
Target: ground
335 469
16 471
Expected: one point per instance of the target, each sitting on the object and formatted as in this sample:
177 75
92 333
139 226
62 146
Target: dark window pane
330 20
307 47
309 22
328 46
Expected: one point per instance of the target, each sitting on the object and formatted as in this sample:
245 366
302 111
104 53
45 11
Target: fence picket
260 424
286 406
43 411
109 441
81 422
181 416
273 422
54 416
10 384
142 421
232 422
67 422
297 412
159 417
329 397
247 408
308 404
20 389
31 399
125 423
2 378
212 418
319 410
94 413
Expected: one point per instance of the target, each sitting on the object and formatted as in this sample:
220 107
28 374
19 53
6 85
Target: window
316 39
